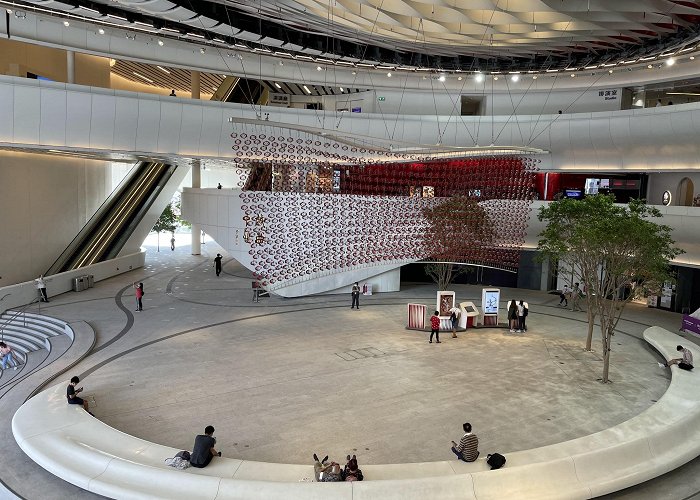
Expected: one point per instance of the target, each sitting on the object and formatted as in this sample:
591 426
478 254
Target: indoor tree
166 222
458 230
612 248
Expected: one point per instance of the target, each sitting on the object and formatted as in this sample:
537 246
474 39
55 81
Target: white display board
490 298
445 301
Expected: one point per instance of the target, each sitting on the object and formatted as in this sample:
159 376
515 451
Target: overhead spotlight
459 78
278 85
161 43
9 11
112 62
479 78
573 75
66 23
442 78
101 31
307 89
692 58
202 50
341 90
319 68
610 71
388 75
495 78
354 72
515 78
670 61
281 63
649 66
534 77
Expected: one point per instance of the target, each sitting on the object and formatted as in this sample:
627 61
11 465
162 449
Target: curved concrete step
20 345
39 340
49 328
33 360
42 318
27 330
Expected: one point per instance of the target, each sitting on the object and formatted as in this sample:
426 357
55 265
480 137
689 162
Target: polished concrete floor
283 378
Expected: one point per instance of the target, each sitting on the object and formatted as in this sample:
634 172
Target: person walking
435 327
355 293
217 263
139 296
7 357
41 286
563 296
172 242
575 298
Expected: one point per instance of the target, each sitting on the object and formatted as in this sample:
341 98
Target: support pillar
70 66
195 84
196 228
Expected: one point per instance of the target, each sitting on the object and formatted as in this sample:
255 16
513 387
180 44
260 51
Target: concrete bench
82 450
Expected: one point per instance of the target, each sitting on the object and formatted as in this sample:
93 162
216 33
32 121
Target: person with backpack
352 472
139 296
435 327
455 312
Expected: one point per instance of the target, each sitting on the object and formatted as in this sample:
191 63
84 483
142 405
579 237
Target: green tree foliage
168 221
610 249
459 230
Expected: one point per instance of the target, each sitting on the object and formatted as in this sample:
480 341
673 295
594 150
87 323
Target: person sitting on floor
327 472
72 394
468 447
203 450
352 472
685 362
7 357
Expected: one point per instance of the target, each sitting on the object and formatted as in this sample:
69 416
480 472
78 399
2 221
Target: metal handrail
21 310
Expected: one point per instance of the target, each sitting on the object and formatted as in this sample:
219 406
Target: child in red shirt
435 327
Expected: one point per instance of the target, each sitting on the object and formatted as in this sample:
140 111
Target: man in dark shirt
72 394
217 264
203 449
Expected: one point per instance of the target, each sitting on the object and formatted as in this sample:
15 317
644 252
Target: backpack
496 460
525 311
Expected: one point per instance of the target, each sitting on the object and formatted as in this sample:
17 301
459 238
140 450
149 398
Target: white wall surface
53 114
670 181
44 202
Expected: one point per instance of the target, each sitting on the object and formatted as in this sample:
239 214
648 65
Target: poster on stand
416 317
367 289
445 302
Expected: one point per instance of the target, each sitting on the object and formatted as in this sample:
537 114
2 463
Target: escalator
240 90
106 233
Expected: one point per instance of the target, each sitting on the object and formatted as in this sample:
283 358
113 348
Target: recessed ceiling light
692 58
278 85
307 89
459 78
515 78
442 78
649 66
163 69
143 77
202 50
610 71
388 75
66 23
161 42
281 63
319 68
670 61
495 78
341 90
101 31
9 11
573 75
534 77
354 72
479 78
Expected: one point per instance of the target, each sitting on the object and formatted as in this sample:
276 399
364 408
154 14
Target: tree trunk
589 337
606 357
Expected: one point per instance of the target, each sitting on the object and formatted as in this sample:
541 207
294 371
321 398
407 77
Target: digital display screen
604 183
469 309
491 299
592 186
573 193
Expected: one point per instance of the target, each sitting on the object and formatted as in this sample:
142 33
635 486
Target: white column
195 84
70 66
196 228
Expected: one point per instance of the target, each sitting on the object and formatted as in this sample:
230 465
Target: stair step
37 339
32 361
27 331
41 317
47 327
20 344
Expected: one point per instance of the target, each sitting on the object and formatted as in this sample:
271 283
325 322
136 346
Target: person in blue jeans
7 356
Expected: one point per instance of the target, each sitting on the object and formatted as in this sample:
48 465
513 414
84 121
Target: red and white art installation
314 206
